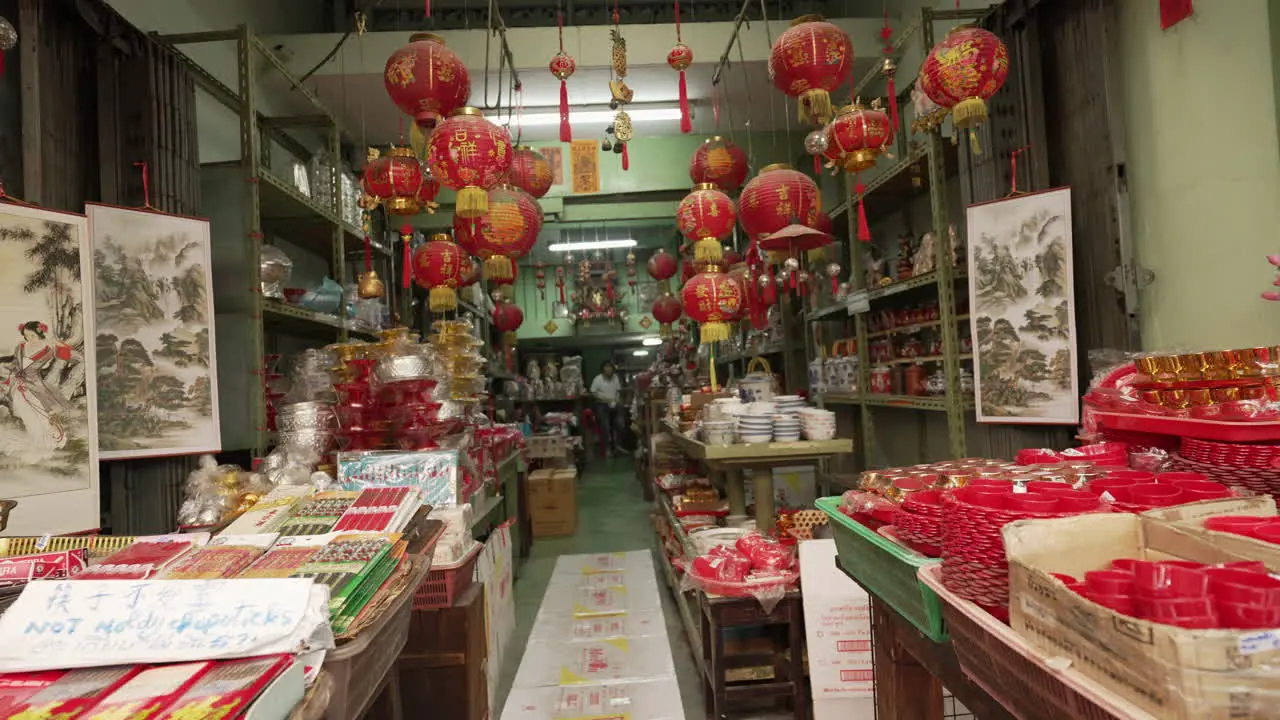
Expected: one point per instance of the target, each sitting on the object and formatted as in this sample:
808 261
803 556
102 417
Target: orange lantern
705 217
808 62
394 180
469 154
776 198
713 300
437 266
426 80
962 72
506 233
530 171
720 162
666 310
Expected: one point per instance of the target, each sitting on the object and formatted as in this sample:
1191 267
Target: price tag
857 303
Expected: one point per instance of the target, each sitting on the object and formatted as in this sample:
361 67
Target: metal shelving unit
250 205
889 192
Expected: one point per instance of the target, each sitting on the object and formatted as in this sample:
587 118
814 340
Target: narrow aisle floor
612 517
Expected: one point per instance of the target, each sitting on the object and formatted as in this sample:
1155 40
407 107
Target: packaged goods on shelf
146 558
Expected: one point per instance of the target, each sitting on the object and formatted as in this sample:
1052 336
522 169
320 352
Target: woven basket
1259 480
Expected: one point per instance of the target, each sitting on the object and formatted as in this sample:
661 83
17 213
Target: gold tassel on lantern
708 250
442 299
473 202
664 330
509 339
970 113
497 267
713 332
815 107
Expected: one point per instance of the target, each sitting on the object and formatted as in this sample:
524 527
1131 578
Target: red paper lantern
562 66
809 61
506 233
705 217
661 265
713 300
720 162
688 269
469 154
428 191
394 180
776 198
427 80
666 310
530 171
437 266
858 136
962 72
507 318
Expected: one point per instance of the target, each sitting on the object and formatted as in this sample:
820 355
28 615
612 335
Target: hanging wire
746 82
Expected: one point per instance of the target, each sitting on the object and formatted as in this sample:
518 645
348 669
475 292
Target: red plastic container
445 583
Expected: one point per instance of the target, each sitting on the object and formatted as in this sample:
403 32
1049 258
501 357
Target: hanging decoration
530 171
962 72
889 69
504 287
712 300
679 59
393 181
8 39
620 94
427 80
815 143
427 192
437 266
731 257
706 217
855 140
560 282
507 232
662 266
720 162
562 66
406 259
470 274
775 198
368 284
507 318
808 62
469 154
631 275
540 278
666 310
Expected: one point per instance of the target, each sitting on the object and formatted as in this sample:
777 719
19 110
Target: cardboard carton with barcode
1173 673
1190 518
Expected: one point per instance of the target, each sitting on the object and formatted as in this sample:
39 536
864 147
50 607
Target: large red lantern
427 80
720 162
530 171
855 139
506 233
776 198
437 266
962 72
666 310
713 300
394 180
808 62
705 217
469 154
507 318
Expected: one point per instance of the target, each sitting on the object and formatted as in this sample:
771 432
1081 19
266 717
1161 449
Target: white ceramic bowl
819 434
755 439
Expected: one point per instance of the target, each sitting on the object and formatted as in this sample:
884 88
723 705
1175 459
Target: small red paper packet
227 689
59 693
145 558
150 692
22 569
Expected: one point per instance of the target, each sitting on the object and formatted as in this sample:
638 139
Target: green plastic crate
886 569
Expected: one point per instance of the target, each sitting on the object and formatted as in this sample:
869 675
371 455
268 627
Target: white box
621 659
565 628
657 700
632 579
837 622
603 562
569 601
493 568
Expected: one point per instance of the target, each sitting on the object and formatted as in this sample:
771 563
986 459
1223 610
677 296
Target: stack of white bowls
718 432
754 429
818 424
789 403
786 427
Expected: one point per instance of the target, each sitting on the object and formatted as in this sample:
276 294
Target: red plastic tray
1191 427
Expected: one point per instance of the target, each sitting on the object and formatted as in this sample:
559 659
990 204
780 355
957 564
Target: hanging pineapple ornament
679 59
620 94
562 66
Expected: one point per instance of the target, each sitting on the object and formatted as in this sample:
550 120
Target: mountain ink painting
157 375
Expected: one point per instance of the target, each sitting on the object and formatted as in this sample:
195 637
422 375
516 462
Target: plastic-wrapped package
326 299
275 268
215 493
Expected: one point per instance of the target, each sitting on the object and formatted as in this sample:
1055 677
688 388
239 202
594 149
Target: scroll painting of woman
39 405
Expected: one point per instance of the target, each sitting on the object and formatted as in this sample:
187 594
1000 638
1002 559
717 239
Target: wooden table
727 463
787 656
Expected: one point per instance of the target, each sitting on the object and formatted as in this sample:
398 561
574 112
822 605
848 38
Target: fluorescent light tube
639 353
651 341
591 245
537 119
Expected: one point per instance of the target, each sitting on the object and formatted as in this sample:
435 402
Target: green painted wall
1204 173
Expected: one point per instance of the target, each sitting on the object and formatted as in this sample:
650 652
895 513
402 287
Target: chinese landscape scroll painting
1022 304
48 446
157 379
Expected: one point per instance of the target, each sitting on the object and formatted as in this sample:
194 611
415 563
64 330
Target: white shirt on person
606 389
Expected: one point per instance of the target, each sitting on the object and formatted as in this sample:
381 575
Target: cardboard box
553 502
837 623
1190 518
548 445
1173 673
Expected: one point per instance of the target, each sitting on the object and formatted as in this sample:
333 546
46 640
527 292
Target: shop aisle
612 517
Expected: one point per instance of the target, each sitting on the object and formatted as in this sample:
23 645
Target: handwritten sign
89 623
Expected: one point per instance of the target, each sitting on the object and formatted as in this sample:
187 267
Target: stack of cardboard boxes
553 488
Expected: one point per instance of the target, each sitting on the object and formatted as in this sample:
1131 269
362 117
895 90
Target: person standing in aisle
605 389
